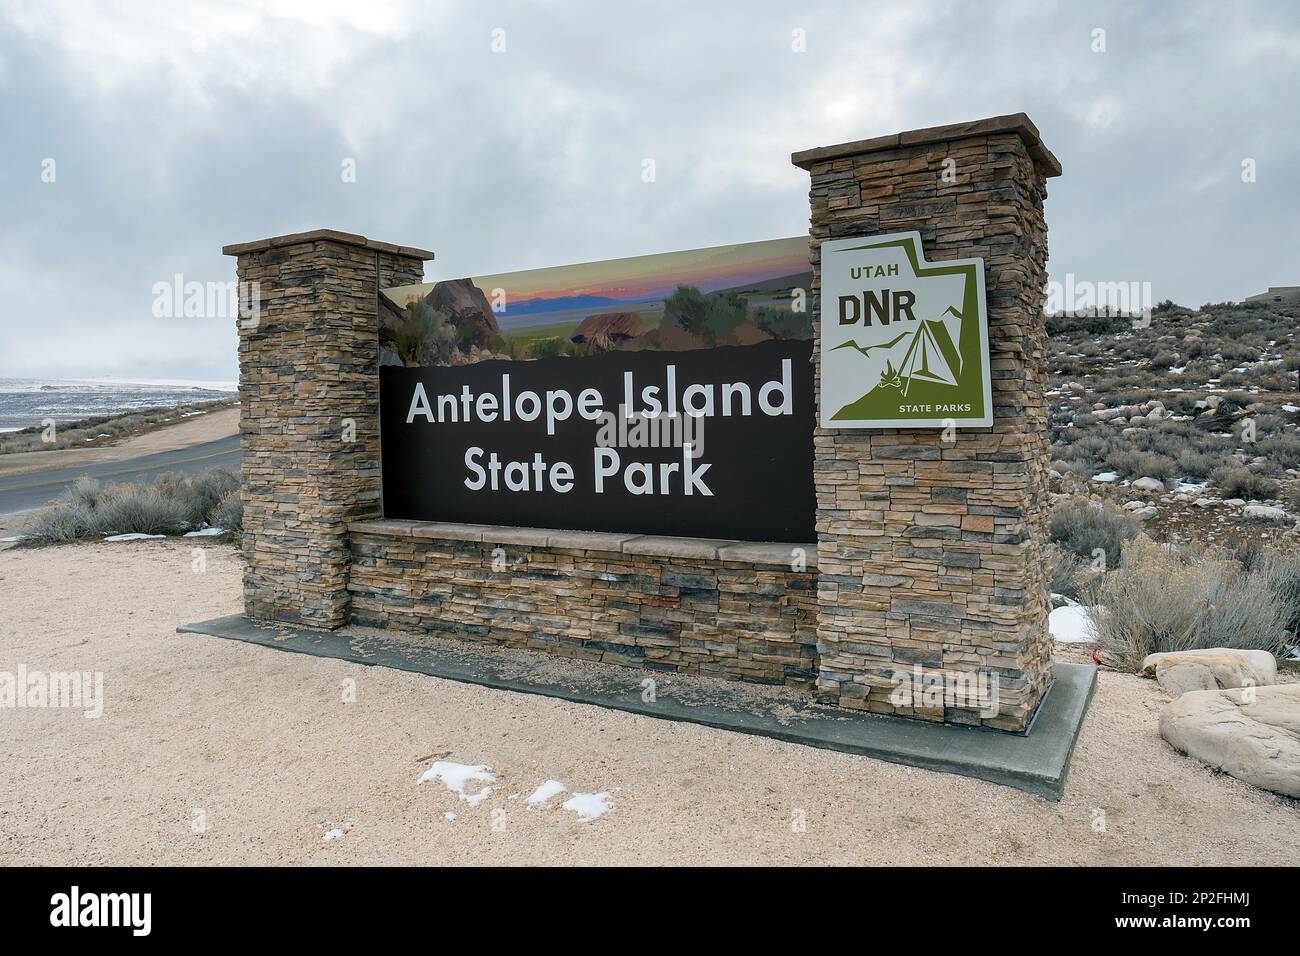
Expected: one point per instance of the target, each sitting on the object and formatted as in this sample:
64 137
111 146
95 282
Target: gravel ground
212 752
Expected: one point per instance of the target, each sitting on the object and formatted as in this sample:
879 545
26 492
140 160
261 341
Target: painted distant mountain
779 284
559 303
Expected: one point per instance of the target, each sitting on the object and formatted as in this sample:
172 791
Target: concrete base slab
1035 762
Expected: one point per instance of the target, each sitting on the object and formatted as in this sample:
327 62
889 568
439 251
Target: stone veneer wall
309 376
931 551
724 609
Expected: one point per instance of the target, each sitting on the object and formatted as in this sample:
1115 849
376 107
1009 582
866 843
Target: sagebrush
1162 598
171 505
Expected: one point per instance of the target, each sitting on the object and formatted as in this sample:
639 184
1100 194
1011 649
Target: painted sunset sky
612 283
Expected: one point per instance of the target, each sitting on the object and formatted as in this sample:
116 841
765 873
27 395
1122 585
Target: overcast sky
176 128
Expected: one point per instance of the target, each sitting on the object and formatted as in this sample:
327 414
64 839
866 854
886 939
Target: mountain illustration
866 349
558 303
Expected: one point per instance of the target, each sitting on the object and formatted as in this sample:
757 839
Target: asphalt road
23 492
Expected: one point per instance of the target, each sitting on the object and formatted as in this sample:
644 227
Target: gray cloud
176 131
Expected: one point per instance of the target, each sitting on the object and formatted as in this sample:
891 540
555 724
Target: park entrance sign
904 343
852 498
709 443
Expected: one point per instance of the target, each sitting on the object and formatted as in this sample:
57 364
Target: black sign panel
712 443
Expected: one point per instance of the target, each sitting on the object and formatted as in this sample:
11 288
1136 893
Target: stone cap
772 554
1018 123
330 235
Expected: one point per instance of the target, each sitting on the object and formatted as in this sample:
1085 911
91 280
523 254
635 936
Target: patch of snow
449 815
1291 408
334 834
15 537
543 793
133 536
205 533
456 775
1106 477
1072 624
589 806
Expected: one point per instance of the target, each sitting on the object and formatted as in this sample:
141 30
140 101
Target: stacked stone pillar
309 412
930 550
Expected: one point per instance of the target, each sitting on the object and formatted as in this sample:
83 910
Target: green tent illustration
931 355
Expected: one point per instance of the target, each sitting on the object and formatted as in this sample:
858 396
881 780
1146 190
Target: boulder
391 318
1251 733
668 337
1146 514
1216 667
463 303
1148 484
1265 513
608 330
745 334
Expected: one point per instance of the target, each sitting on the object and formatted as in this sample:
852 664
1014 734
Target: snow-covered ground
1072 624
456 776
589 806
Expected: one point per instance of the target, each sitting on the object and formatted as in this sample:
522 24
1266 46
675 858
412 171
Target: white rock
1146 514
1149 484
1227 666
1252 733
1135 506
1265 513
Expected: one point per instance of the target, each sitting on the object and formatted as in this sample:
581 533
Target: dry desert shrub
1237 482
1165 599
228 512
171 505
1082 528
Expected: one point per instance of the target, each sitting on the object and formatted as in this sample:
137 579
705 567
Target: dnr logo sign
904 344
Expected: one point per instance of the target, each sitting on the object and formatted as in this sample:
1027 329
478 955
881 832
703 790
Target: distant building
1285 294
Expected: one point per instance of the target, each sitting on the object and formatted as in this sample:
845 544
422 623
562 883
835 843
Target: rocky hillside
1191 421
